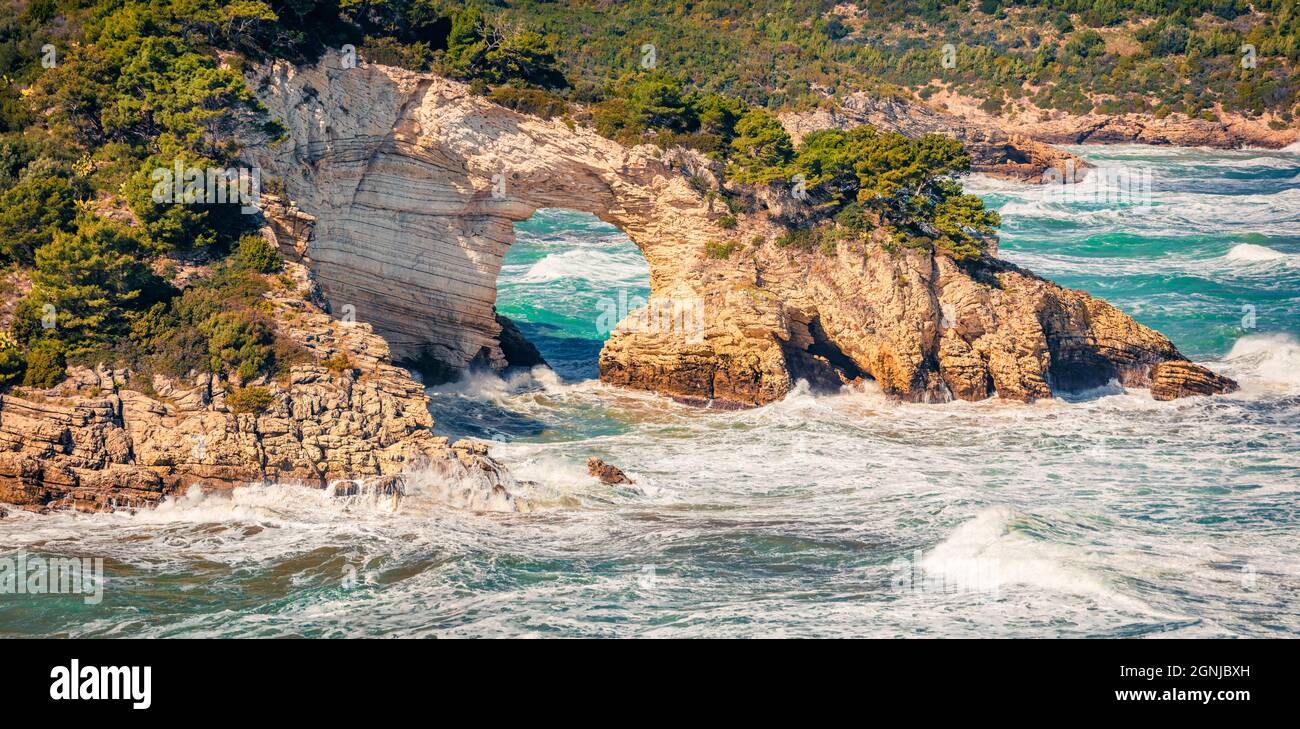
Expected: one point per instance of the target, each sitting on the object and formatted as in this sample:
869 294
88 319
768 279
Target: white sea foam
595 266
1265 360
987 554
1251 253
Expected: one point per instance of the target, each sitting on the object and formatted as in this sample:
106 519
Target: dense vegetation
1156 56
97 95
95 98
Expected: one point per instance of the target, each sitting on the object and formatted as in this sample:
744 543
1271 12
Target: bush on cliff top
867 179
12 366
84 287
220 325
46 366
256 253
253 400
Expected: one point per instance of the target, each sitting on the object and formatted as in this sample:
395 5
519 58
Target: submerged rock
607 473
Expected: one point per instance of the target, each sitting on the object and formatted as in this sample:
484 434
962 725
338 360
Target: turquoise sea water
1096 514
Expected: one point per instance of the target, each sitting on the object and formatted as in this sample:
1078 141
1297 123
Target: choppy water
1107 514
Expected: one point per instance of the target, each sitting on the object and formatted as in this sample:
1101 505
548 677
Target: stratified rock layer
1180 378
1176 129
414 185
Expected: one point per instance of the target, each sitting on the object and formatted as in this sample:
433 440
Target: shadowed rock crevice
518 351
810 355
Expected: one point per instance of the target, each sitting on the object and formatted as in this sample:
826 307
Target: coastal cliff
1228 131
347 418
415 183
1021 147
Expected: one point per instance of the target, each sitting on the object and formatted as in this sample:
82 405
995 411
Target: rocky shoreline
1022 147
98 442
417 183
1231 131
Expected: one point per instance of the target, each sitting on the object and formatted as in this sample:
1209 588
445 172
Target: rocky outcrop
607 473
993 151
518 351
103 439
1053 126
1180 378
414 185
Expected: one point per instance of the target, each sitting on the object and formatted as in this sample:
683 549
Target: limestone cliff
414 184
103 439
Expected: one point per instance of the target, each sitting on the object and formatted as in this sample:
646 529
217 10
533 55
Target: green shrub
869 179
803 239
727 221
255 253
249 400
220 324
536 102
93 279
338 364
480 47
12 365
238 342
761 149
716 250
46 366
853 219
31 213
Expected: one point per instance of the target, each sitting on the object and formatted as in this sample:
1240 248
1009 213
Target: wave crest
1271 360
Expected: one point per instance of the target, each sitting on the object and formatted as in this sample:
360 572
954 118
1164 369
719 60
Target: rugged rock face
414 186
98 442
1144 129
415 183
993 151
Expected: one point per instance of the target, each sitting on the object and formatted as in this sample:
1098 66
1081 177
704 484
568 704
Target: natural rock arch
410 186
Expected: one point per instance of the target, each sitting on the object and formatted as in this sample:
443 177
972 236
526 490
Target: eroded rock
97 443
1180 378
607 473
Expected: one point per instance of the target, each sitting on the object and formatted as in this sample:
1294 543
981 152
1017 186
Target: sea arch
401 191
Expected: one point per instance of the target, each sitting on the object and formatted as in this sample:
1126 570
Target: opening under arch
566 282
